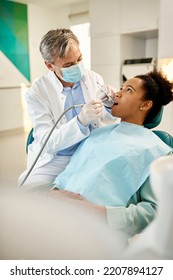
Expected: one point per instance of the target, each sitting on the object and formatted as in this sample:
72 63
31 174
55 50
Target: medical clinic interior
119 39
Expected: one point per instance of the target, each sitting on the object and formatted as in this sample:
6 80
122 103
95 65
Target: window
82 31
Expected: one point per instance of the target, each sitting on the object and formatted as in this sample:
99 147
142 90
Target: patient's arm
64 194
139 212
80 201
131 219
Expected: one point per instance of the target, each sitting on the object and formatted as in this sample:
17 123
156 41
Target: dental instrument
107 99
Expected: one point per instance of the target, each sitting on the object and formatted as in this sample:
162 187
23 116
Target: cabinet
105 39
165 29
165 56
139 28
104 17
139 15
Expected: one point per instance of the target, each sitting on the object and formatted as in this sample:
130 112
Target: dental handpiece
107 99
45 142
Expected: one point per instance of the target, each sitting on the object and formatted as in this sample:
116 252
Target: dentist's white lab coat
45 103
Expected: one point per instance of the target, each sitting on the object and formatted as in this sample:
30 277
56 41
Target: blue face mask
73 73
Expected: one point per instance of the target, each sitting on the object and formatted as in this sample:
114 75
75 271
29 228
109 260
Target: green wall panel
14 35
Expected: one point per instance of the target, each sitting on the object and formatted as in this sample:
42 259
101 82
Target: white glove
90 112
106 94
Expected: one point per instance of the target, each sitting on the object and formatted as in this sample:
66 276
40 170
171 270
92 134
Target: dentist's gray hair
55 43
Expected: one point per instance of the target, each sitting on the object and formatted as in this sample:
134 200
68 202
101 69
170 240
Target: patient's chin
114 110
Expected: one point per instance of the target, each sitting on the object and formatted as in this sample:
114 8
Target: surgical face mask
73 73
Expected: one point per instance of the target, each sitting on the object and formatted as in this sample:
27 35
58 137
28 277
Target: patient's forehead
134 82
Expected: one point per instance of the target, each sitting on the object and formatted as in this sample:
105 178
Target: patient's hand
98 210
65 194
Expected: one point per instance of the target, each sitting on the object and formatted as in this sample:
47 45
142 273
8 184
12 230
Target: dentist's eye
79 59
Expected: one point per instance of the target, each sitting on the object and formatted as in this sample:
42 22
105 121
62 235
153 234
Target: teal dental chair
164 136
30 139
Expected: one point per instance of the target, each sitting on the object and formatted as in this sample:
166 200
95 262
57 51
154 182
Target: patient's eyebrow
127 86
131 87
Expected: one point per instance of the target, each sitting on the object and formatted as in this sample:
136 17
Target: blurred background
118 39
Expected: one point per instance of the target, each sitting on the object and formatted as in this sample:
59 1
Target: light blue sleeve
83 129
139 212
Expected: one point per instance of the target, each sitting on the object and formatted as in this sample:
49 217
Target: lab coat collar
55 81
86 84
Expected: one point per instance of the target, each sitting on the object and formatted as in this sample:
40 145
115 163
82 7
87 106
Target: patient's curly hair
158 89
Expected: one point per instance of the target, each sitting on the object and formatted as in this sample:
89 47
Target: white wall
40 20
11 88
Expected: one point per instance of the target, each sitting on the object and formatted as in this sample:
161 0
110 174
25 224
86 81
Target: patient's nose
118 94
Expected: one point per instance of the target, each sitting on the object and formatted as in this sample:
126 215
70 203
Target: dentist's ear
146 105
49 66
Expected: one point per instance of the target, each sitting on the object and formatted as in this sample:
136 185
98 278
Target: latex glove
106 94
90 112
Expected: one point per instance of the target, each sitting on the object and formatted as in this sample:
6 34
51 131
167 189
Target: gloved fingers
105 91
91 107
101 94
96 102
98 110
99 115
98 106
111 91
90 112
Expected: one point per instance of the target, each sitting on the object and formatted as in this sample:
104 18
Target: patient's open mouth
115 102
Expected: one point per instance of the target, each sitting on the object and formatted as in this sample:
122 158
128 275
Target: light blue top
112 163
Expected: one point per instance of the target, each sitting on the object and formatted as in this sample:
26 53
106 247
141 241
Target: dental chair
30 139
164 136
156 242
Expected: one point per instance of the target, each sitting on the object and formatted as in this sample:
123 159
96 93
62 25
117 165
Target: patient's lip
115 102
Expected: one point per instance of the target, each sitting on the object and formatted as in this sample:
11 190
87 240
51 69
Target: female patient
110 169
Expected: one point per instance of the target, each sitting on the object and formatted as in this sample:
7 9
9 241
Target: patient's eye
129 89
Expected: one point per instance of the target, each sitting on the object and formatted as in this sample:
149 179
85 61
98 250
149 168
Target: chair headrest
155 122
165 137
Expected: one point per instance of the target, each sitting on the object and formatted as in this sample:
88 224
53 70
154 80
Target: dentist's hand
106 94
90 112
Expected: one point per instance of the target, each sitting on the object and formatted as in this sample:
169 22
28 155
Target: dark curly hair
158 89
